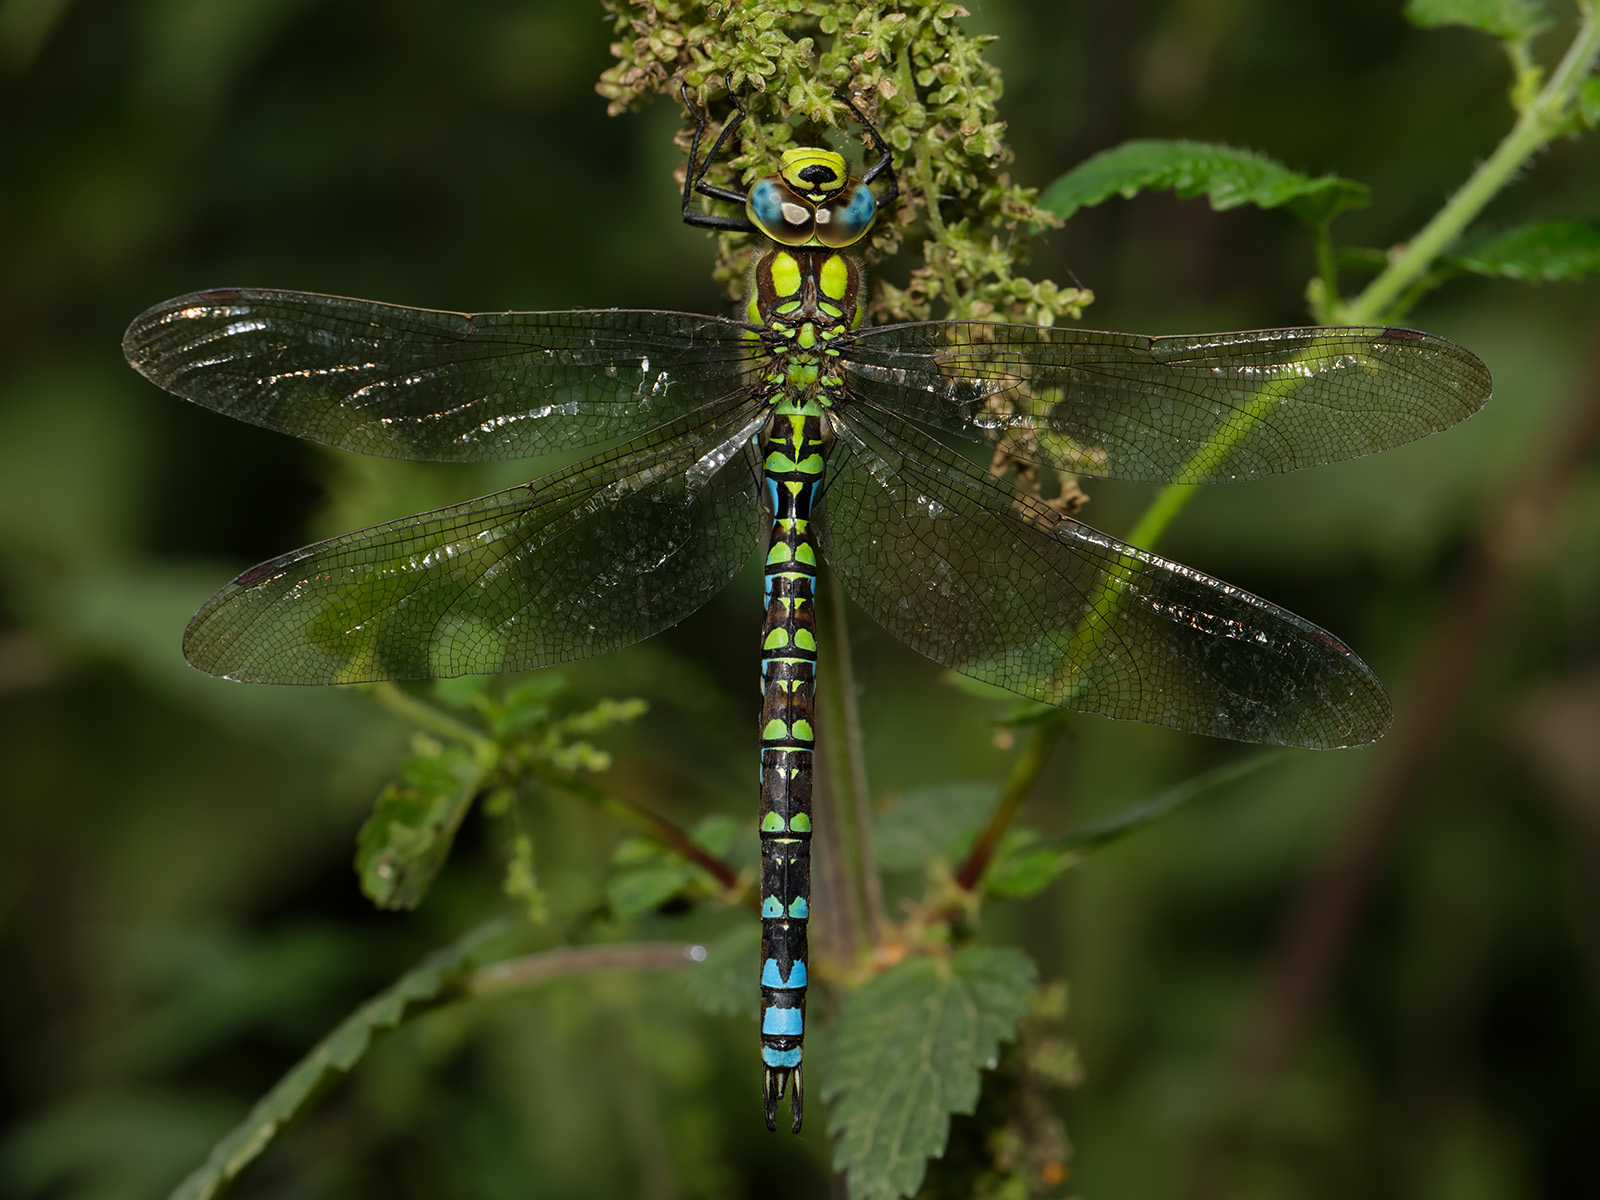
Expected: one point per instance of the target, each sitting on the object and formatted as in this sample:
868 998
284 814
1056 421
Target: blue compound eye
779 213
847 219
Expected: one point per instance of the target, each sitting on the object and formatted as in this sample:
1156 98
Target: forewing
584 560
416 383
1194 409
989 581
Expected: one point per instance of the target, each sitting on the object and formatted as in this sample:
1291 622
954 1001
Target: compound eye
780 214
845 221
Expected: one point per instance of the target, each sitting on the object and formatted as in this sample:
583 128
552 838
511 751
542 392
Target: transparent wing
987 580
584 560
1194 409
416 383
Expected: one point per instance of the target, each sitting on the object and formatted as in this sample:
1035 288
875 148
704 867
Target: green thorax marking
805 299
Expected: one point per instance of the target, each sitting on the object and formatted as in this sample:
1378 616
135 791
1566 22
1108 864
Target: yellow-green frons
827 172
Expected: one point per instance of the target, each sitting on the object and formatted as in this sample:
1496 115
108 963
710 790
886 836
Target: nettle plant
921 1020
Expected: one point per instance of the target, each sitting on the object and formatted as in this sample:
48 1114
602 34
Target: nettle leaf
1024 865
908 1052
1540 252
1227 177
1508 20
651 874
724 984
931 822
527 704
1092 835
423 986
643 889
405 841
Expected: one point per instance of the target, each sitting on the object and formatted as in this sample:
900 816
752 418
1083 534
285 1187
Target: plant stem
668 833
1023 774
425 716
841 720
530 970
1540 120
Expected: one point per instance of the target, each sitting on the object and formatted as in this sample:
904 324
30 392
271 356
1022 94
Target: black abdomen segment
792 448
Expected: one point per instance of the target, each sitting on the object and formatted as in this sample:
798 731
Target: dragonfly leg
694 175
885 163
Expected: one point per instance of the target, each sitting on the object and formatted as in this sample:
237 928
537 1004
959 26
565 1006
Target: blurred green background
178 916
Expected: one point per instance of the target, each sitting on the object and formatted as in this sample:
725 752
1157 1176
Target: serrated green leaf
405 841
418 988
725 983
1023 866
444 769
644 889
1508 20
931 822
908 1052
1540 252
1092 835
1227 177
651 873
527 704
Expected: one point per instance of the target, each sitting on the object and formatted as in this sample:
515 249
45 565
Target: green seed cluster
925 84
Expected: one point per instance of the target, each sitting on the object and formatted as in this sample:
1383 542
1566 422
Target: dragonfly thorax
805 300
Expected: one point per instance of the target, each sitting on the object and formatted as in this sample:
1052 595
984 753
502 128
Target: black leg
694 176
885 163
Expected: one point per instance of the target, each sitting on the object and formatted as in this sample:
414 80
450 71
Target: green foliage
928 89
407 838
1028 863
1557 251
721 984
928 823
1227 177
424 986
525 746
1589 102
140 794
1508 20
907 1053
649 874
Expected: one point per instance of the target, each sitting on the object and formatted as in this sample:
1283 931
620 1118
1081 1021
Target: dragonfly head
812 201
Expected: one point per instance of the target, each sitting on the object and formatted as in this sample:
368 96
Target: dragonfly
804 431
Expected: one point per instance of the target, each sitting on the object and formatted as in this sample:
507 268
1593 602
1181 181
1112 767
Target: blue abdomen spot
771 908
770 977
780 1058
783 1022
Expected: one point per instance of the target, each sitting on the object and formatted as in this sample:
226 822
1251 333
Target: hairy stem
1546 115
1537 122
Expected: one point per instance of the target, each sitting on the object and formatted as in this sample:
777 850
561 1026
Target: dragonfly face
810 201
822 439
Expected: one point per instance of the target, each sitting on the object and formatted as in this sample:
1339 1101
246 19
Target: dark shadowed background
178 916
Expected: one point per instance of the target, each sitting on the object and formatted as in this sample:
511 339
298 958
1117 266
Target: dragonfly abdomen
794 445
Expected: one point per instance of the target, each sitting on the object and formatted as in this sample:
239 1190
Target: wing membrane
987 580
1195 409
584 560
417 383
